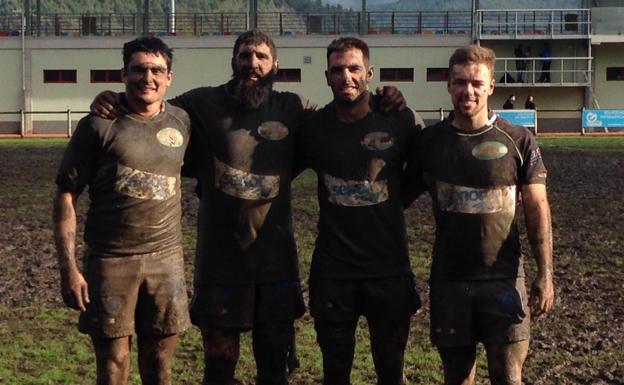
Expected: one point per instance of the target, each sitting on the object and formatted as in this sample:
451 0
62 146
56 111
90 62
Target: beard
252 93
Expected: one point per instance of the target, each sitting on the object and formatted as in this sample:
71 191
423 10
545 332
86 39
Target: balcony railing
498 23
419 23
209 24
564 71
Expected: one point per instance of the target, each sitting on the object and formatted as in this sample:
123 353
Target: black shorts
464 313
388 298
242 306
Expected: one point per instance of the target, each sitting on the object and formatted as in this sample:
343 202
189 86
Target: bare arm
74 287
539 231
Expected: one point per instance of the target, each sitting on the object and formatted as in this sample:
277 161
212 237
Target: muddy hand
542 298
74 290
106 105
391 99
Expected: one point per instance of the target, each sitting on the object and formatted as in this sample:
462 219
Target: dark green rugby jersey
131 166
243 159
360 168
474 179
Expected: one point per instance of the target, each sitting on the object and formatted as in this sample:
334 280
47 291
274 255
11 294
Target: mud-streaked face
470 86
147 78
348 74
253 62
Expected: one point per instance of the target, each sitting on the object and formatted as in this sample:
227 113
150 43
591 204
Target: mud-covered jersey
132 168
359 166
474 179
243 160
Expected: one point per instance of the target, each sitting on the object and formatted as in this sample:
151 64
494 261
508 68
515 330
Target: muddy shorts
143 293
244 305
338 300
466 312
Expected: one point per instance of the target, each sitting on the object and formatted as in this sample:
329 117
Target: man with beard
477 167
246 268
360 265
246 271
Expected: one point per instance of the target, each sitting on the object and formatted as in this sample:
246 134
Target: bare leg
155 353
505 362
221 352
388 341
459 364
112 356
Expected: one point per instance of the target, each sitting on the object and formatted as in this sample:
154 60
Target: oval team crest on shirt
489 150
170 137
273 130
377 141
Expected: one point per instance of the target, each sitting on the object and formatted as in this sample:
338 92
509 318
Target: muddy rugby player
360 265
477 167
133 279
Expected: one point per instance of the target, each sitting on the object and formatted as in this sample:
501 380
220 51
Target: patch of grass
40 348
43 346
594 143
34 142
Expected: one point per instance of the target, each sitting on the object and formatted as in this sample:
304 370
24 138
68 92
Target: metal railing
547 22
62 123
420 23
568 71
209 24
39 123
291 24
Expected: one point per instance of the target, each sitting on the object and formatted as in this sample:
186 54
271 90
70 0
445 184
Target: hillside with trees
162 6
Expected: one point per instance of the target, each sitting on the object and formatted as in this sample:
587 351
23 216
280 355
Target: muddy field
580 342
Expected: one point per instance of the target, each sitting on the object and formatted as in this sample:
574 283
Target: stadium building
54 64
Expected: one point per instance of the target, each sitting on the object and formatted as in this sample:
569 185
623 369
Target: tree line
162 6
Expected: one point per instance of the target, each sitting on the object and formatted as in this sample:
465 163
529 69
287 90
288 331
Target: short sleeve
411 179
532 170
189 167
302 138
181 101
309 108
80 158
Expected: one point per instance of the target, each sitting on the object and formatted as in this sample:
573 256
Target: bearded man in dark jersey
134 267
360 265
246 269
477 168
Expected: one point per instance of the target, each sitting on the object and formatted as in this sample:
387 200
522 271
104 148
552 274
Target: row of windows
70 76
441 74
288 75
114 76
407 74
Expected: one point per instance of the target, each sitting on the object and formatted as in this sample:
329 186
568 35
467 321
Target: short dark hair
148 44
254 37
473 54
347 43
